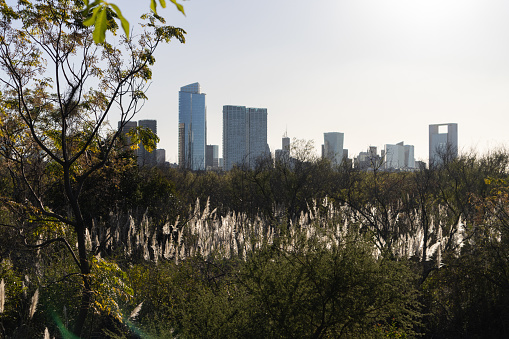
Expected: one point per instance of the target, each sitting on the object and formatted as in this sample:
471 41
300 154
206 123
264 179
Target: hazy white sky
379 71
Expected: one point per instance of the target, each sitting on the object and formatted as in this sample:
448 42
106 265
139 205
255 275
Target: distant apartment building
443 143
146 158
333 147
192 127
244 135
399 157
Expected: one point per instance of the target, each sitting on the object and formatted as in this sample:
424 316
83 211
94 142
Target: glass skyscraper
333 146
244 135
192 127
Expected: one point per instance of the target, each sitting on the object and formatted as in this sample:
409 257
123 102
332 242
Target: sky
379 71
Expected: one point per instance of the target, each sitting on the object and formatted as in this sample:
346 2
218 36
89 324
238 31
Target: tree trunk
86 293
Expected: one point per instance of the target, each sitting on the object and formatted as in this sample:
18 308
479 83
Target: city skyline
379 71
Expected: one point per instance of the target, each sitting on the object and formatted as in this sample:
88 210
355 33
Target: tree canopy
98 13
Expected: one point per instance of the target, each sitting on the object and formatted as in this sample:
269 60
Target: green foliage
318 292
13 293
343 292
110 288
144 136
99 14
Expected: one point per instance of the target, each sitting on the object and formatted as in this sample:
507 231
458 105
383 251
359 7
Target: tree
59 88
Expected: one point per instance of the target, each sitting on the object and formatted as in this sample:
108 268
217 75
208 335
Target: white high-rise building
333 147
399 156
244 135
443 143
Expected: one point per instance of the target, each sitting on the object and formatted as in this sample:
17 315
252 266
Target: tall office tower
181 144
212 157
257 134
146 158
399 156
443 143
283 154
409 157
285 143
244 135
160 156
333 147
192 127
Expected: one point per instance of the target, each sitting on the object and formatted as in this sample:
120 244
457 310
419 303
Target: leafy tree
320 293
59 88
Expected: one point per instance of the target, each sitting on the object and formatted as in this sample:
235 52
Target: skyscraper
212 157
399 156
192 127
244 135
283 154
443 143
333 147
160 156
146 158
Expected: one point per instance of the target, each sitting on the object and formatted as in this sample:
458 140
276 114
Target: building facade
283 154
244 135
146 158
160 156
212 157
124 138
443 143
192 127
333 147
399 157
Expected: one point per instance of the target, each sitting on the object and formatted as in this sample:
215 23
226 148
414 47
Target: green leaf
123 21
100 26
153 6
91 21
163 3
179 6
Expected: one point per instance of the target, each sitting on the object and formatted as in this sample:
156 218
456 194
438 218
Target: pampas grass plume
33 305
136 310
2 296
